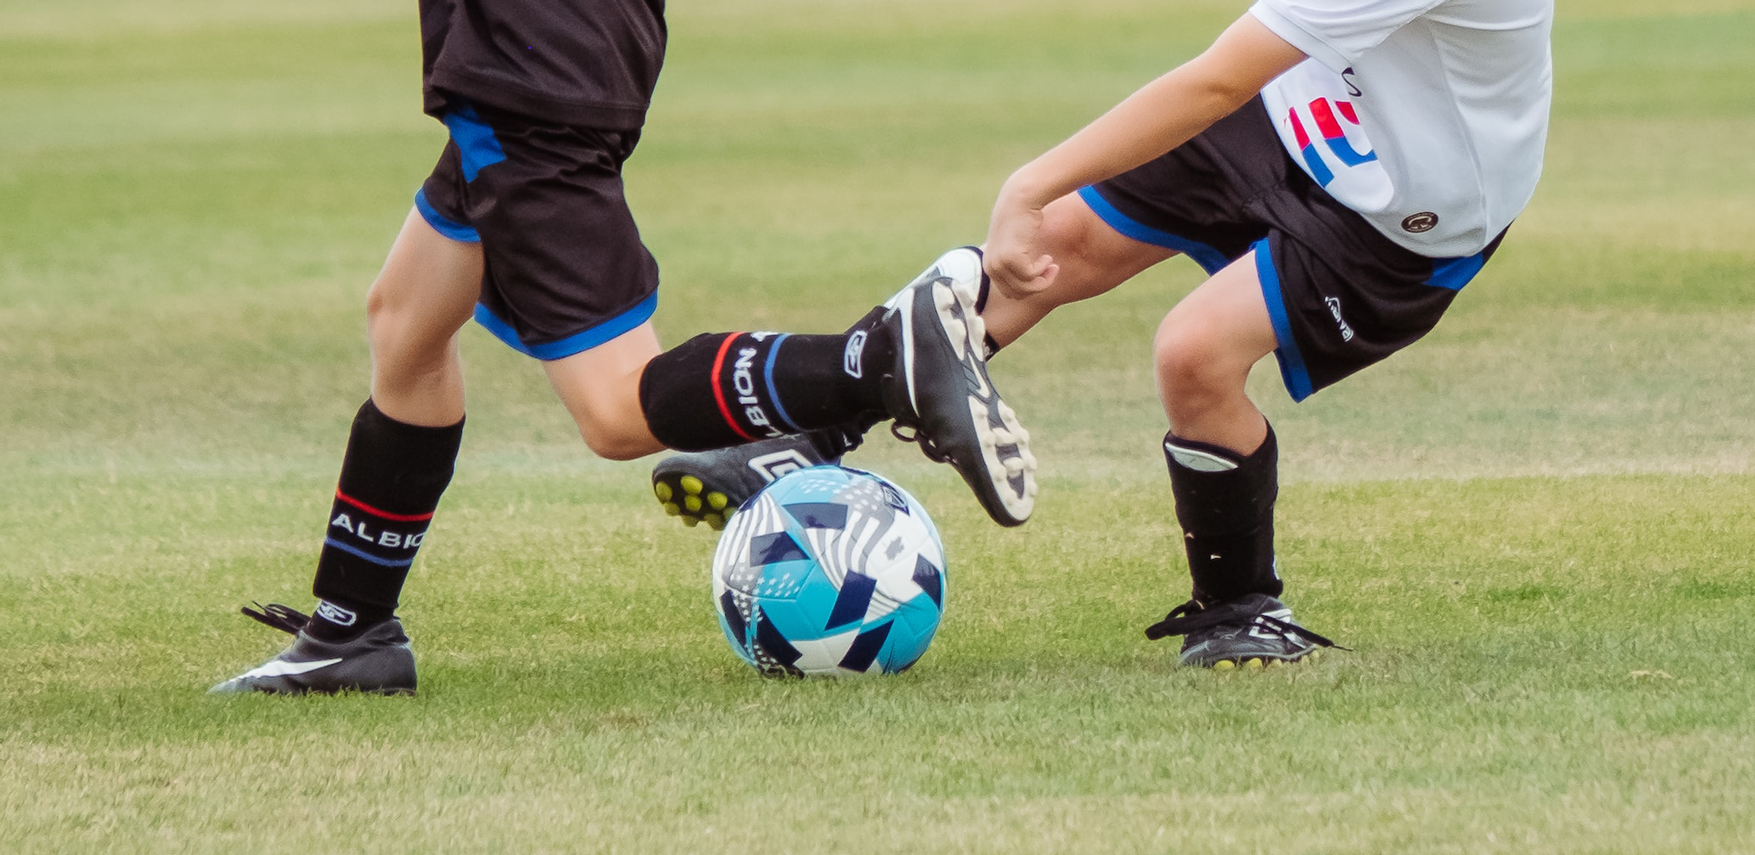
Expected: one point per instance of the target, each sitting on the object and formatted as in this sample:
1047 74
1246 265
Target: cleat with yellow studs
1253 632
709 486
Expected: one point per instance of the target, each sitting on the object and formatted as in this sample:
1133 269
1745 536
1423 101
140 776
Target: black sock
723 389
391 480
980 308
1225 503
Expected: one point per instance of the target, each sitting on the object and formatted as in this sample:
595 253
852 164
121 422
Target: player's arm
1164 114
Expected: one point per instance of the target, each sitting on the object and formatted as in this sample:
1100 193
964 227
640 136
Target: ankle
333 622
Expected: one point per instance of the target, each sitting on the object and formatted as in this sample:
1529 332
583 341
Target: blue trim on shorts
1452 274
442 224
576 343
1207 257
330 541
768 377
1292 369
475 140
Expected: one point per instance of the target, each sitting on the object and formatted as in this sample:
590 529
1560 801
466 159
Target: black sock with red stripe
722 389
391 481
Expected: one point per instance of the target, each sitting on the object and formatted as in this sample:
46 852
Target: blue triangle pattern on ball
774 548
866 647
735 625
928 577
853 601
819 515
773 647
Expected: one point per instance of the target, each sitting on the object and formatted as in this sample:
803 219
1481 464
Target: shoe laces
1192 617
927 446
284 618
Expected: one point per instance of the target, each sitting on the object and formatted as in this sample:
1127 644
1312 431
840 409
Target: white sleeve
1336 32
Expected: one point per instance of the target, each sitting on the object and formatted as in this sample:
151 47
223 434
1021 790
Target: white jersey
1428 117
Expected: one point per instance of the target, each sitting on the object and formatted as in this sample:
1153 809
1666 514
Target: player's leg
405 439
400 454
919 359
600 388
1203 352
706 486
420 301
1223 466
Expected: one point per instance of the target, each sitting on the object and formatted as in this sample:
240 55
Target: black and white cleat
940 395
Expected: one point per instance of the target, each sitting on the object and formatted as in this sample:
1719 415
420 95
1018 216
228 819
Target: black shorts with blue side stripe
565 267
1341 295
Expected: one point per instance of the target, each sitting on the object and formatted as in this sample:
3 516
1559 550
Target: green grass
1533 527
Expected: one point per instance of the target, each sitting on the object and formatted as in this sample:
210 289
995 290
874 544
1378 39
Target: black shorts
1341 295
565 268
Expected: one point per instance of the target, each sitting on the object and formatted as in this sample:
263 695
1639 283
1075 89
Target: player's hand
1012 255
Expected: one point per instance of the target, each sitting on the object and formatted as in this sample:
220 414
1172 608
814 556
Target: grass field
1533 528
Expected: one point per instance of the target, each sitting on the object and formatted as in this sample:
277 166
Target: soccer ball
829 571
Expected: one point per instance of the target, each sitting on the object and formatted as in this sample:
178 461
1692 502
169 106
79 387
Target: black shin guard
723 389
1225 503
391 481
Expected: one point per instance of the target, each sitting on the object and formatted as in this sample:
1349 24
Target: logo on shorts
1334 308
1424 221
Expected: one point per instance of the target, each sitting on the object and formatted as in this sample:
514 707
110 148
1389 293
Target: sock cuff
441 437
1199 456
396 468
1219 491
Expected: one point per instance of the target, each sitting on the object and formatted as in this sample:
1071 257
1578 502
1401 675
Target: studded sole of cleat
690 500
1261 663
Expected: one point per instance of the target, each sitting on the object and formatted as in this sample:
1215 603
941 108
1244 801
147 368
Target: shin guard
1225 503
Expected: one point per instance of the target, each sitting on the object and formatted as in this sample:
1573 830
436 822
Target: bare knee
614 442
407 338
1197 373
611 421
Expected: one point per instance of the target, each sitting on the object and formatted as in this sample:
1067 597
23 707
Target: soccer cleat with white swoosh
938 387
377 661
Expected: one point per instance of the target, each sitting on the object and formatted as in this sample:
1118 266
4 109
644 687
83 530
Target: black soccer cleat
709 486
378 661
938 387
1253 631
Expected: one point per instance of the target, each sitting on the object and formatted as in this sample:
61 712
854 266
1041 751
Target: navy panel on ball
819 514
775 548
855 598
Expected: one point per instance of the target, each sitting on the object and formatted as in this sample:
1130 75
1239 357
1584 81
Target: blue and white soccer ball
830 571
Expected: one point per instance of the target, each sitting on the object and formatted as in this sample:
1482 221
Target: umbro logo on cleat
772 466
